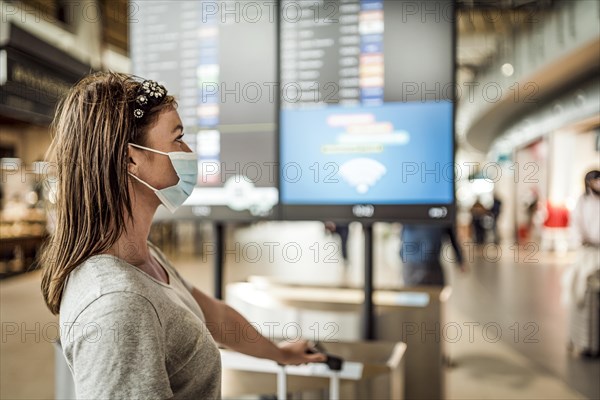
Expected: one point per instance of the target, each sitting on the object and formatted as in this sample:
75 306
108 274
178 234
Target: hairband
149 95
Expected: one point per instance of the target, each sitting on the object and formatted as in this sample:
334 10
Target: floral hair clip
149 95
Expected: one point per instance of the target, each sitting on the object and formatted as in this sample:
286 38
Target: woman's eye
179 138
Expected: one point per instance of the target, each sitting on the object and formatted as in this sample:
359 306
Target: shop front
33 77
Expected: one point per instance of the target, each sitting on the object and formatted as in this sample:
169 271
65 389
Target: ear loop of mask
141 181
149 149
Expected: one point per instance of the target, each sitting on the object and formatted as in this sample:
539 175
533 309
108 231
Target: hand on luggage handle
334 363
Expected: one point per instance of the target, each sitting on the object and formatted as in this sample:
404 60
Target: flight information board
367 109
218 58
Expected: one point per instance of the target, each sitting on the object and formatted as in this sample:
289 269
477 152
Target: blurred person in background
495 213
421 253
586 216
119 150
478 215
342 230
581 281
585 224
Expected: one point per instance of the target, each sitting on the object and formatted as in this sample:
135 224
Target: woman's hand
295 353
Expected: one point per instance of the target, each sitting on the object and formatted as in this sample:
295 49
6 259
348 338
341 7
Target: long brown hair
91 129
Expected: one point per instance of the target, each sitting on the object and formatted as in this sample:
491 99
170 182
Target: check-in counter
414 316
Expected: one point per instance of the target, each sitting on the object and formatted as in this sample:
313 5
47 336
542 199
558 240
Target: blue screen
392 153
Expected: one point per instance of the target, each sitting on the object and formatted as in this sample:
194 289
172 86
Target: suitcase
584 324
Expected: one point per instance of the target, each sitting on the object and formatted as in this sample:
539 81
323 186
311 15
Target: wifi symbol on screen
362 173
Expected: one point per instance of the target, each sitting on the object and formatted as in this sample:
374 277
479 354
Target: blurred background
514 88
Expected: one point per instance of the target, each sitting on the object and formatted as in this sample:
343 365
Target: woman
131 327
586 216
581 281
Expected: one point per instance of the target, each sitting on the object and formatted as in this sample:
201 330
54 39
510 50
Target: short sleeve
116 350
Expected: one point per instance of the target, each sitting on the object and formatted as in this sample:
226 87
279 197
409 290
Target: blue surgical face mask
186 167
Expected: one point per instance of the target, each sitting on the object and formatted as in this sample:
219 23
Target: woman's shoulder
99 276
104 272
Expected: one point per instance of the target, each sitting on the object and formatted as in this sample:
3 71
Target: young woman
131 327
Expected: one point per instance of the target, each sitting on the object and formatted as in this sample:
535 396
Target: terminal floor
504 359
523 300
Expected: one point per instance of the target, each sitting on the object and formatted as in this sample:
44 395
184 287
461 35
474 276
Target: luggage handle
334 363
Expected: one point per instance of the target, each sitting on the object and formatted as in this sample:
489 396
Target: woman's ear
132 160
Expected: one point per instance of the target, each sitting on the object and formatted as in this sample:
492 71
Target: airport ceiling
484 27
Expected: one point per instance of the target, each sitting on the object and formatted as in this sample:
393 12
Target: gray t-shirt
126 335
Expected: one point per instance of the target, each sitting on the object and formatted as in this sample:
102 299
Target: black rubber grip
334 363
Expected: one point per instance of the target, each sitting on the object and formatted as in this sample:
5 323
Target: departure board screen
367 109
218 58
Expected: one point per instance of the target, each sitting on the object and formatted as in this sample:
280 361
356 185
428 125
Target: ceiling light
507 69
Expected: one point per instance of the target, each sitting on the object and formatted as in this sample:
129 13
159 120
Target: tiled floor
524 300
503 295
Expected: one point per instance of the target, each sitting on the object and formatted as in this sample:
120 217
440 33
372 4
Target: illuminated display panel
367 109
219 60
